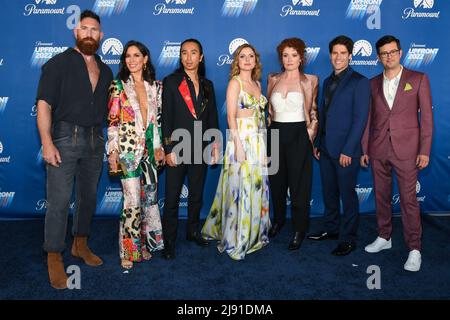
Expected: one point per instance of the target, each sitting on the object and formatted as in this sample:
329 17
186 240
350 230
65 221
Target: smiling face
135 60
291 59
247 59
340 58
190 56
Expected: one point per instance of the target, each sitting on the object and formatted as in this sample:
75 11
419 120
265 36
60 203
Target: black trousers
295 173
174 181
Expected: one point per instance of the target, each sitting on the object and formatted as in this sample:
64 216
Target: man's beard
88 45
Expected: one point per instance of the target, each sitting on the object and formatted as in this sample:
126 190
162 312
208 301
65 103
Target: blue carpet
272 273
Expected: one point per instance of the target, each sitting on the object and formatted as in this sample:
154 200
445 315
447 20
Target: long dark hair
148 73
201 67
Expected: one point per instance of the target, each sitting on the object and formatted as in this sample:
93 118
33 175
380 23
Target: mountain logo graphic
426 4
236 43
306 3
184 192
362 48
112 46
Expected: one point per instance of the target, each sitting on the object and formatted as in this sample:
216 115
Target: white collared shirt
390 87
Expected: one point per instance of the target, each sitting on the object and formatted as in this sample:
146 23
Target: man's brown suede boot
81 250
56 273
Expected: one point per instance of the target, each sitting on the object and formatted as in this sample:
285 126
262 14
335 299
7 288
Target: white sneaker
414 261
378 245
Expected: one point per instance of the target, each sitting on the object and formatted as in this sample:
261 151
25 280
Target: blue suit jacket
346 117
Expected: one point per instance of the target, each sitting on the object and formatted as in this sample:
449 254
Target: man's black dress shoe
275 230
296 241
169 254
198 239
323 235
344 248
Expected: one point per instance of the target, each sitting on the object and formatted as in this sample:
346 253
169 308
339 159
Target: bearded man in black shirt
72 103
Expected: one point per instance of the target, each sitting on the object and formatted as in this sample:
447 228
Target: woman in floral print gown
239 216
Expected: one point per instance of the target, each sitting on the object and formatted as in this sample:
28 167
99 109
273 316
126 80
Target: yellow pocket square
408 87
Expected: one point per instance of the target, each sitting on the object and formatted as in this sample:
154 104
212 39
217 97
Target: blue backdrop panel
35 30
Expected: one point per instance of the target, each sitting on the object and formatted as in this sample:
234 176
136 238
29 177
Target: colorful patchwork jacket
126 129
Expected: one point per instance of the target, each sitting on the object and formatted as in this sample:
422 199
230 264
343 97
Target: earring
145 67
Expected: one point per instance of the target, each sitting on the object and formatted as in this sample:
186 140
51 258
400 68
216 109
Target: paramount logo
421 6
294 9
4 159
225 59
362 51
426 4
34 9
42 205
166 8
45 1
112 48
396 199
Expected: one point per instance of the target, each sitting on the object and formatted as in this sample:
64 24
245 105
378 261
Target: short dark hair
89 14
385 40
148 73
344 40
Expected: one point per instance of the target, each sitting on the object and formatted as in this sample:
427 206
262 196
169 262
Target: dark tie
328 96
331 89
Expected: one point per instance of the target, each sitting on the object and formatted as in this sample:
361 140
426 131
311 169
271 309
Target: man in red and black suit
189 104
395 139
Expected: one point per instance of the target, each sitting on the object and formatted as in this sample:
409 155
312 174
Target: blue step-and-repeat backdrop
32 31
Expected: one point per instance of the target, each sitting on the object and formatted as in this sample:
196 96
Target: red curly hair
294 43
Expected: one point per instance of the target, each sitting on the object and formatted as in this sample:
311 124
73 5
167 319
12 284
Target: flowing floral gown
239 216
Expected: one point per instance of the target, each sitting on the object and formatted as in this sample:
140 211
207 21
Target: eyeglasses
386 54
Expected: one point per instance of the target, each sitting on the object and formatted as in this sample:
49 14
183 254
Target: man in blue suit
342 119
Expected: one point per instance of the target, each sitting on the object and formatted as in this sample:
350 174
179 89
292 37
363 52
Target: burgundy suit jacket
400 126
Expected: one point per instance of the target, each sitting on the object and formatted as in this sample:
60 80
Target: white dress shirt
390 87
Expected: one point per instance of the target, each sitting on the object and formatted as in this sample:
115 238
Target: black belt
64 126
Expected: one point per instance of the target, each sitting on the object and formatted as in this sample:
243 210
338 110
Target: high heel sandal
126 264
146 255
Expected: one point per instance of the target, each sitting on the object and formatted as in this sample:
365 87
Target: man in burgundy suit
394 139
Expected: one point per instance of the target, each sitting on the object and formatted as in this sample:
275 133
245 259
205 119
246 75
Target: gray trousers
81 150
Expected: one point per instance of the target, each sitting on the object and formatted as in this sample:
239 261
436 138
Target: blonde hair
257 70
